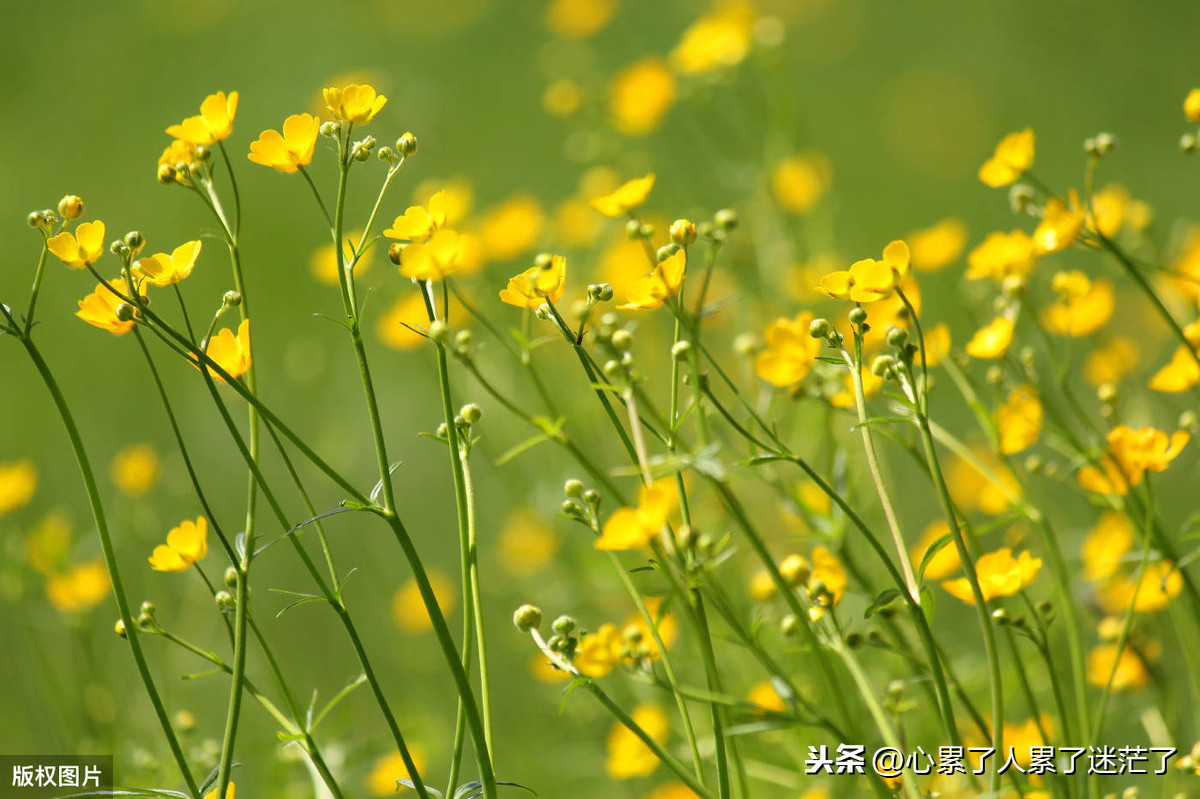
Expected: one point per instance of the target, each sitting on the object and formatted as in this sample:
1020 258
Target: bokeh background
896 103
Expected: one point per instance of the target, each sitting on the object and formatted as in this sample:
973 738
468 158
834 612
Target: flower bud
406 145
36 219
897 337
646 231
119 628
683 232
622 339
563 625
386 154
439 331
231 299
1187 142
463 338
726 219
1106 392
135 241
471 413
119 248
527 617
591 497
789 625
612 368
604 291
1105 144
71 206
633 228
883 366
148 608
573 488
231 577
685 536
362 148
680 349
854 640
203 153
224 600
858 316
795 570
819 328
666 251
1020 197
331 129
1001 616
166 175
126 312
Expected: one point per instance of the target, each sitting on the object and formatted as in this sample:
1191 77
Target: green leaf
881 420
379 485
884 599
575 683
527 444
407 783
931 553
927 603
342 694
833 359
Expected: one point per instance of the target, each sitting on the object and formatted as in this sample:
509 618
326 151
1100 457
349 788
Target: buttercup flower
80 249
1083 307
720 38
161 269
1111 361
579 19
442 255
135 469
1130 671
408 606
599 652
999 574
1001 255
290 150
230 352
537 285
790 353
1182 372
630 528
1132 453
1110 205
650 292
99 309
381 781
869 280
664 623
407 310
626 197
511 228
1108 542
419 223
937 247
640 95
1013 157
356 103
628 755
229 793
764 696
18 481
992 340
186 544
1161 582
937 343
800 182
527 543
178 152
827 570
324 262
1191 105
1060 226
1019 420
214 123
80 587
945 561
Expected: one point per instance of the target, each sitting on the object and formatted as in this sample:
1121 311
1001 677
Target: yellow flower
290 150
1130 671
790 353
99 309
135 469
800 182
1107 543
214 123
579 19
18 482
512 227
457 198
937 247
48 545
628 755
527 544
1191 105
1161 582
389 768
408 606
356 103
650 292
971 489
545 671
630 528
80 249
229 793
672 790
762 586
1019 420
999 574
869 280
537 285
764 696
1083 306
1110 362
80 588
1001 255
161 269
324 262
443 254
230 352
1060 225
945 561
1110 206
409 309
626 197
664 623
419 223
828 571
640 95
937 344
1013 157
178 152
1131 453
1182 372
186 544
720 38
992 340
599 652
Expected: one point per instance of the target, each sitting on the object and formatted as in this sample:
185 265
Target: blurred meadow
835 127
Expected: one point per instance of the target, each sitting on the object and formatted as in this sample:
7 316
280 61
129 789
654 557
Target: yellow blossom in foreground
186 544
381 781
937 247
945 561
18 482
999 574
48 545
1001 255
626 197
410 310
356 103
869 280
511 228
799 182
408 606
80 588
1111 362
650 292
1083 307
230 352
1060 226
640 96
80 249
135 469
992 340
1130 671
178 152
99 309
1107 543
763 695
720 38
1191 105
1131 453
527 544
579 19
537 285
599 652
289 150
229 793
418 223
445 253
1183 371
628 755
162 269
630 528
1012 158
664 623
214 123
1019 420
790 353
1161 582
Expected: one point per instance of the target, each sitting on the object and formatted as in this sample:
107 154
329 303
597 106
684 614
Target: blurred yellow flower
99 309
527 544
418 222
1130 671
992 340
161 269
1012 158
230 352
1132 453
214 123
1000 255
1019 420
229 793
762 586
324 263
640 95
869 280
356 103
562 98
1111 361
579 19
599 652
544 671
799 182
827 570
720 38
937 344
537 285
409 309
626 197
135 469
664 282
667 627
871 383
763 695
1182 372
18 482
1191 105
790 352
457 197
1107 543
1083 306
511 228
48 544
186 544
290 150
408 607
1060 226
934 248
672 790
1110 206
575 225
999 574
971 489
82 587
945 561
630 528
80 249
628 755
389 768
1161 582
444 254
